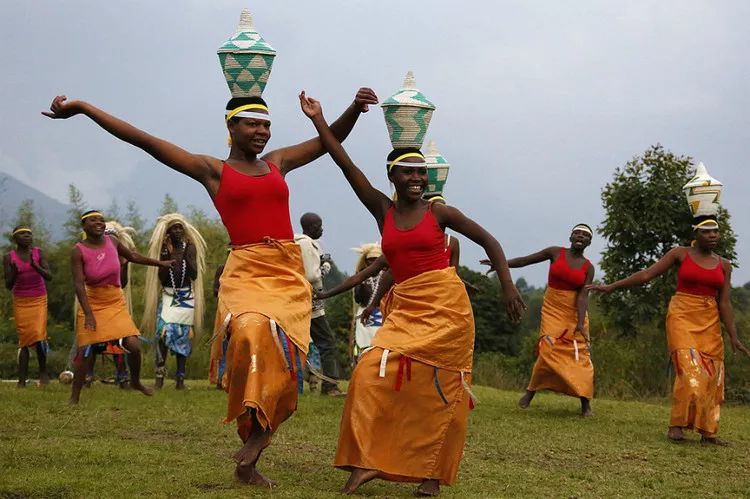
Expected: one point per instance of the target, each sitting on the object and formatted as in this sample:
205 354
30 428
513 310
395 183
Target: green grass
122 444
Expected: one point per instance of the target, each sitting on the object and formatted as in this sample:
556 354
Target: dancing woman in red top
701 304
563 362
264 298
407 406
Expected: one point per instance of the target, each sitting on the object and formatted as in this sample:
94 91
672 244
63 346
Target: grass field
122 444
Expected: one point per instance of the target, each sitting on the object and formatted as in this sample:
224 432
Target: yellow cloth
30 314
264 284
111 314
430 320
399 424
697 350
556 367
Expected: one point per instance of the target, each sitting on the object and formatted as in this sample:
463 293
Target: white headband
582 228
405 163
251 114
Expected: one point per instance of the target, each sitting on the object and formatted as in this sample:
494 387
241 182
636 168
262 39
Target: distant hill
14 192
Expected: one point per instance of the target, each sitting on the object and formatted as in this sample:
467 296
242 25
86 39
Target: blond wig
153 286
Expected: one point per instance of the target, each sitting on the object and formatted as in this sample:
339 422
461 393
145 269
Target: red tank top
414 251
254 207
561 276
695 280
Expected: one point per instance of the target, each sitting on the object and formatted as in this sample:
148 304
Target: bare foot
73 400
586 411
250 452
675 434
358 478
714 441
144 390
44 379
428 488
247 474
525 401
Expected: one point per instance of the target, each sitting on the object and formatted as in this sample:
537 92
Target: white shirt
311 261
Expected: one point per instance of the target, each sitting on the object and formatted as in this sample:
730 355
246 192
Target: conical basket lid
246 39
409 95
703 193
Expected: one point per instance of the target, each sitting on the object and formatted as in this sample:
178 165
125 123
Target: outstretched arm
375 201
523 261
201 168
582 302
385 283
292 157
641 277
727 313
451 217
134 257
379 264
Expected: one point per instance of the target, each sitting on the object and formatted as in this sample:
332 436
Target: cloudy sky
538 102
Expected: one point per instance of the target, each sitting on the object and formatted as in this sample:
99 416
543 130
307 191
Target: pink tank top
101 266
28 281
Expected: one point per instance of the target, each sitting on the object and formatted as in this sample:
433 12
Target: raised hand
61 109
364 98
486 261
310 106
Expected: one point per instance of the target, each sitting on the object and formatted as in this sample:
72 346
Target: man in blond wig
174 296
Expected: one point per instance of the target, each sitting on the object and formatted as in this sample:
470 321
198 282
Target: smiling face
250 135
707 238
94 226
409 178
580 239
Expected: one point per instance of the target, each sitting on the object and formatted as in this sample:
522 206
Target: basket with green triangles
246 59
437 170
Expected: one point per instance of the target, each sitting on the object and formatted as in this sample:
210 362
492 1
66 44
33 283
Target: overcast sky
537 102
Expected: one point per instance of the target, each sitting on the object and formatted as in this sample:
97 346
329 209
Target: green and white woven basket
246 59
407 115
437 170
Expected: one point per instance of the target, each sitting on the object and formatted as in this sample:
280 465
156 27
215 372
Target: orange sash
30 314
111 314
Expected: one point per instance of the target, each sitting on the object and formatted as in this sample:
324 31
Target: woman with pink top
25 273
103 317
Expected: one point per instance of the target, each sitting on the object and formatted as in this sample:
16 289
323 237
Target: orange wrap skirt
406 410
697 351
268 301
30 315
563 363
110 311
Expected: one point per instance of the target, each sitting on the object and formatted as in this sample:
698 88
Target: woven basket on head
246 59
437 170
703 193
407 114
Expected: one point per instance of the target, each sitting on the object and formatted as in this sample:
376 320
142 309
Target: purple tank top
101 266
28 281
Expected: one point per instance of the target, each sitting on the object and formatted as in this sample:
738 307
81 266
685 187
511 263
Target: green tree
646 214
168 205
134 219
77 208
26 215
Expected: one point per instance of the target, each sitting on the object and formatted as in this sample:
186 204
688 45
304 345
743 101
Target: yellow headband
24 229
231 114
710 221
404 156
437 198
92 214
